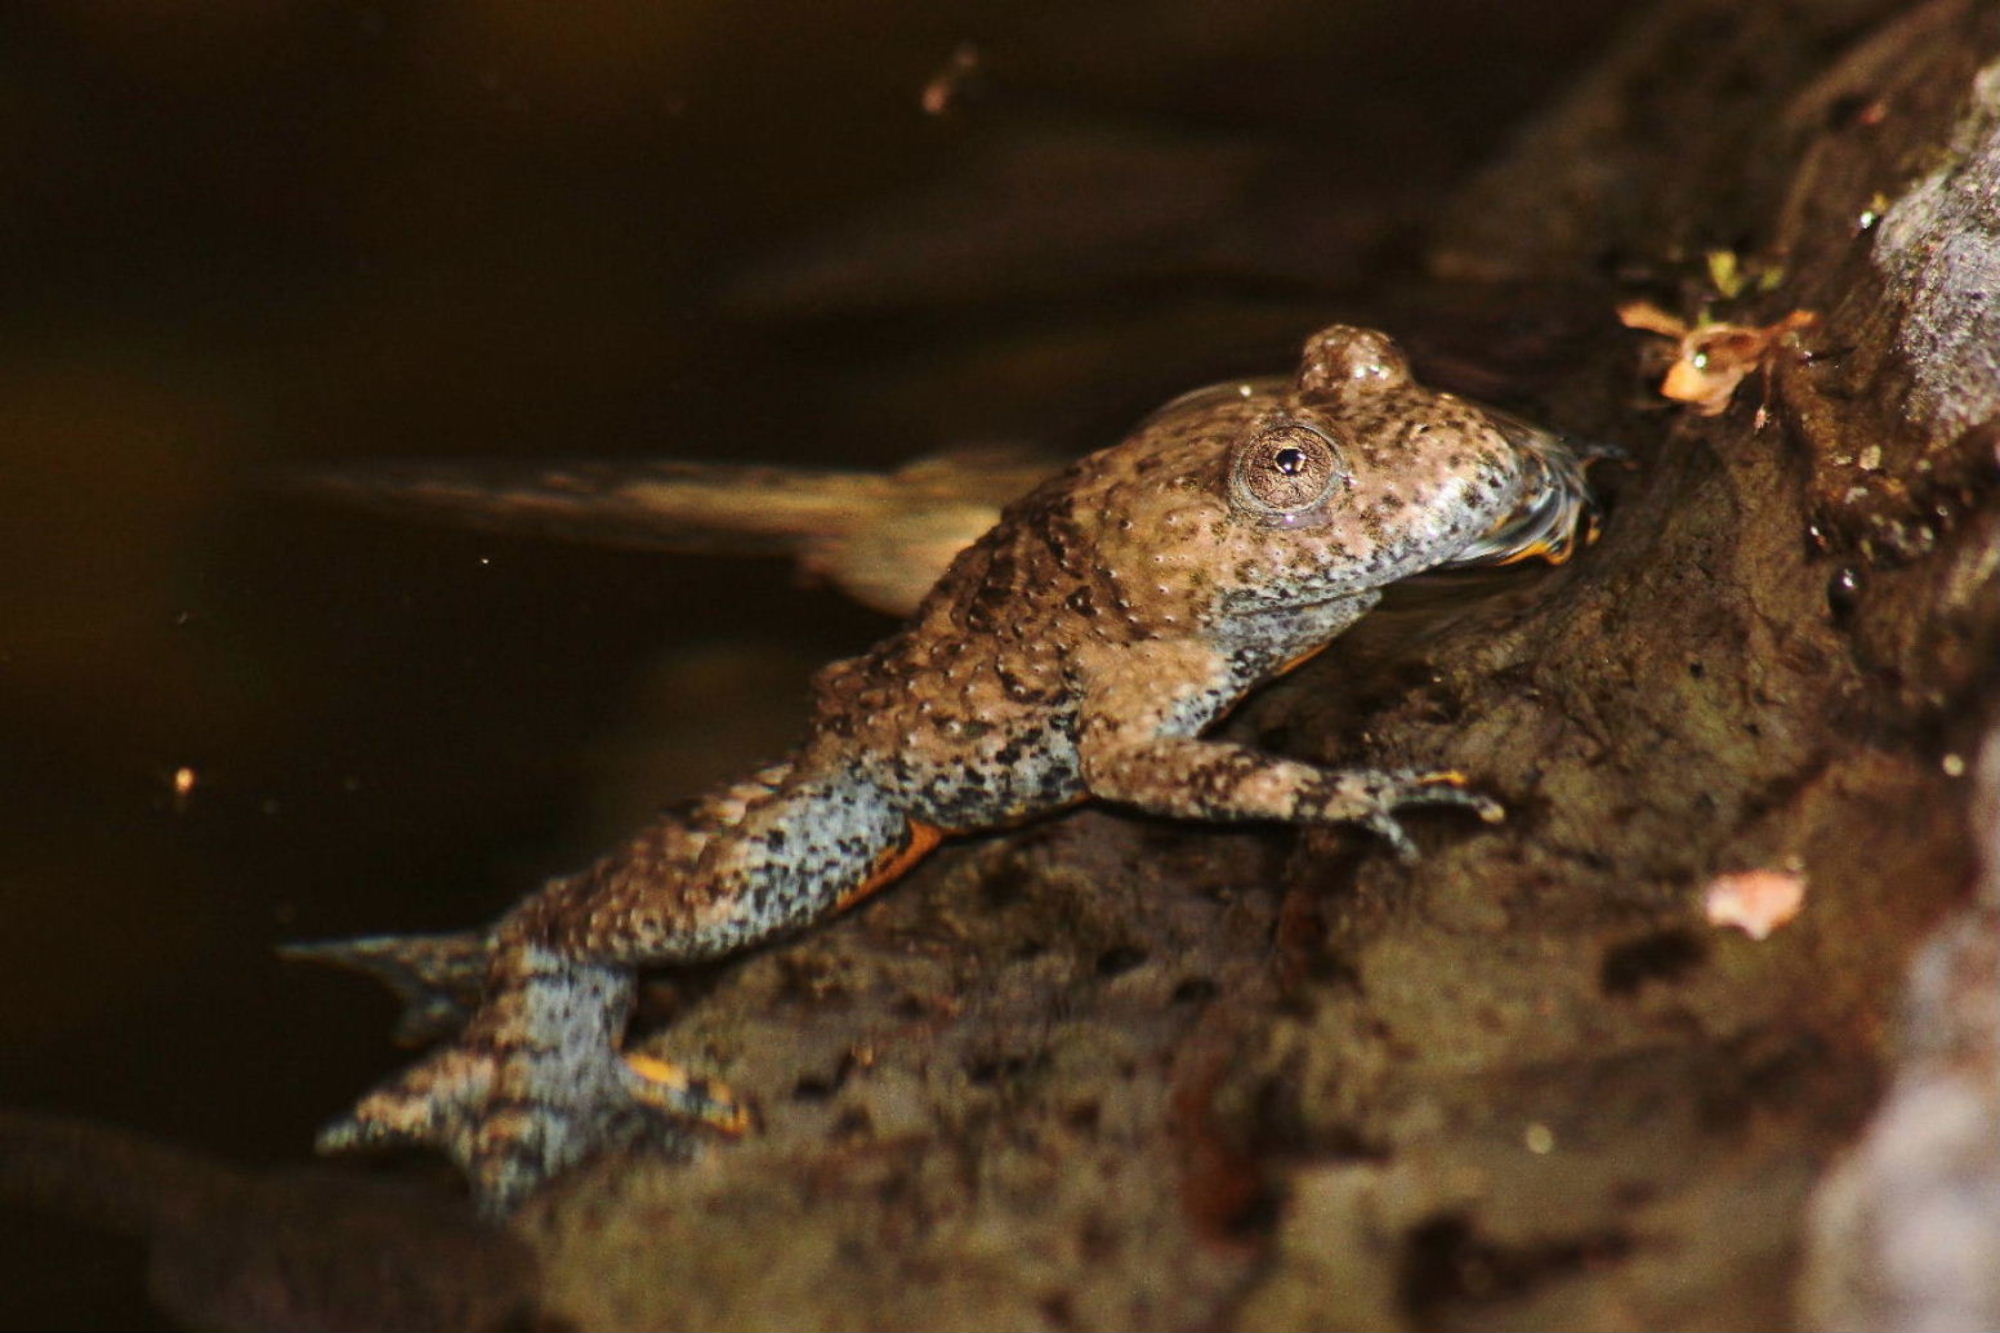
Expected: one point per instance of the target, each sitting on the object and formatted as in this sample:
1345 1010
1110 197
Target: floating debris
1713 357
1756 902
951 84
1731 275
182 784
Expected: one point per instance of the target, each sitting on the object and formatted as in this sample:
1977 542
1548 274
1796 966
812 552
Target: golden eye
1283 469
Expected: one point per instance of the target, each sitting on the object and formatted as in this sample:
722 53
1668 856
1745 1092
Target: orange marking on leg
893 863
675 1090
1303 658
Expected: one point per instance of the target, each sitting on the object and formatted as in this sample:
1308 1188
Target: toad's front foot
1372 798
535 1086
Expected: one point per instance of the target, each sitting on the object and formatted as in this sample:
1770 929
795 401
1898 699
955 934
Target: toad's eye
1283 469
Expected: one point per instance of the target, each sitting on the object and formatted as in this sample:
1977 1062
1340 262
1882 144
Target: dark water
242 234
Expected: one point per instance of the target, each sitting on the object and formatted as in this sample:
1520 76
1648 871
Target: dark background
245 234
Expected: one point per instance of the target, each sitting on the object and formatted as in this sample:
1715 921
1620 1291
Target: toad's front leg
1134 749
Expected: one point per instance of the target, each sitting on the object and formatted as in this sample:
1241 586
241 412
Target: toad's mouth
1556 515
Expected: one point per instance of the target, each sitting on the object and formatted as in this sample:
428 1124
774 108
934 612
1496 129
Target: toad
1079 650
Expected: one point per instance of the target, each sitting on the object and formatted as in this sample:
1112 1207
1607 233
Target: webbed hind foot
535 1086
437 977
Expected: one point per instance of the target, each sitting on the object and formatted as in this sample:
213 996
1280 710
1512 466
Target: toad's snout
1555 514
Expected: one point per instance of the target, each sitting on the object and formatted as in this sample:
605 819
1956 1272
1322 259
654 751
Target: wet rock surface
1106 1072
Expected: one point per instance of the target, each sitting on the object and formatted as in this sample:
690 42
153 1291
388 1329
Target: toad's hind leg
536 1082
